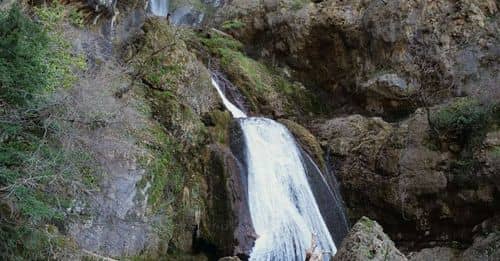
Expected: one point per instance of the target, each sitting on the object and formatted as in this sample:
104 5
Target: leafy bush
33 59
461 118
23 51
61 62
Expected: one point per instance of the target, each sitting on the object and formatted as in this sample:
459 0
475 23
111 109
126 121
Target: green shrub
23 51
461 118
76 18
35 170
33 58
61 62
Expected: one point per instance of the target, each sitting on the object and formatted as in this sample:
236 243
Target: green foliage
165 175
51 15
24 47
217 43
62 63
41 243
221 121
33 171
461 118
76 18
33 59
464 122
34 168
298 4
233 24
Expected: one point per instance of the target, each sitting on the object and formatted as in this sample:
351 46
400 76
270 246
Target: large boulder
367 241
228 224
396 174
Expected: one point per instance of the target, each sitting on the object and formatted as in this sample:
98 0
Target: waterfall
235 111
159 7
282 206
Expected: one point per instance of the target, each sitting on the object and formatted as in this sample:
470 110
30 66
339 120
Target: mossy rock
267 91
219 124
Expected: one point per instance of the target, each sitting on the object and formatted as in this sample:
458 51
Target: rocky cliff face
381 54
395 173
398 99
425 169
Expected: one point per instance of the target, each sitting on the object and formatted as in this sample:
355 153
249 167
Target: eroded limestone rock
367 241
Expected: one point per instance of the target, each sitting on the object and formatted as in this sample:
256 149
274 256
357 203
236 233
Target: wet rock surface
233 234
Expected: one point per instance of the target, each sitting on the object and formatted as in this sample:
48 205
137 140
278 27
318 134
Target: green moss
298 4
62 62
216 42
257 73
76 18
496 152
161 75
262 86
164 175
233 24
367 223
307 140
221 121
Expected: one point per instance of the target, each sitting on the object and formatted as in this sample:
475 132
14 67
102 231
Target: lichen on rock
367 241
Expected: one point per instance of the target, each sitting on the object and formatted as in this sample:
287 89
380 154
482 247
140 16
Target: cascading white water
283 208
284 211
159 7
237 113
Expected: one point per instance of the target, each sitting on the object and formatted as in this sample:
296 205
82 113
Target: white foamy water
284 211
159 7
235 111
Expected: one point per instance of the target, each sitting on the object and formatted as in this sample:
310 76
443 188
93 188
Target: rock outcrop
367 241
486 246
396 174
377 53
233 233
